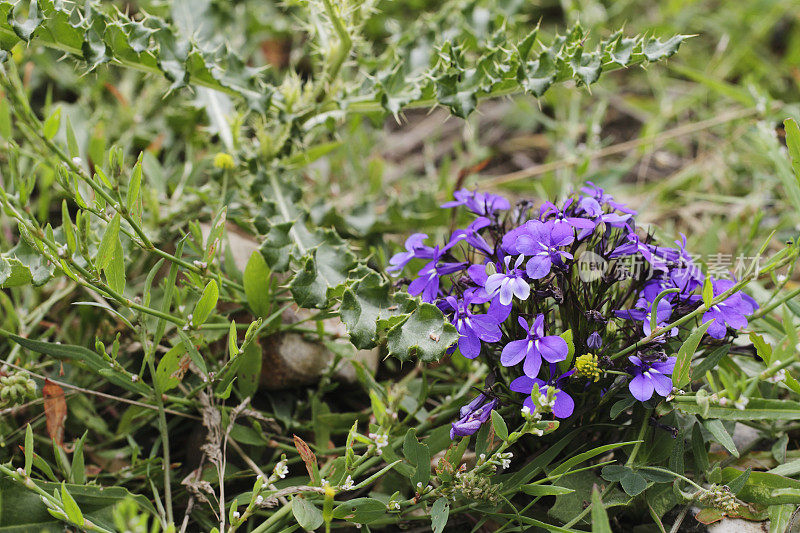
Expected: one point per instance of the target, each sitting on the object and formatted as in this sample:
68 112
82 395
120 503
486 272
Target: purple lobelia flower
534 347
561 220
731 312
643 313
472 328
479 276
472 416
563 405
509 283
599 194
650 376
540 241
595 212
427 282
636 246
473 237
480 203
414 249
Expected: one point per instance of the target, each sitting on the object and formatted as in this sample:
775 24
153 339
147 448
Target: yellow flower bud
224 161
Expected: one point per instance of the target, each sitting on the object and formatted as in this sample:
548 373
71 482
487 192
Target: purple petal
486 328
523 384
553 348
661 383
717 330
538 266
521 288
532 364
666 367
514 352
641 388
469 345
564 405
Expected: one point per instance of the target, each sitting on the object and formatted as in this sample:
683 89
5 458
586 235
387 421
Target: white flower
236 515
380 440
778 376
741 403
281 470
526 411
324 482
135 378
348 483
394 506
259 500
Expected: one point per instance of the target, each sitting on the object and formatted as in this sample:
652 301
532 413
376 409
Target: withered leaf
55 410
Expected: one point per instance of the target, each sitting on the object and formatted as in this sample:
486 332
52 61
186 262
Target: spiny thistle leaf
99 35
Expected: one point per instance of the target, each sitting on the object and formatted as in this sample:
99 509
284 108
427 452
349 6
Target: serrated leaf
423 334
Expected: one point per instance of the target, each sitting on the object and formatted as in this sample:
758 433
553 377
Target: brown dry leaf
55 410
307 455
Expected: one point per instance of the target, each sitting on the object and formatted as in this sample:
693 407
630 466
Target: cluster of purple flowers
512 284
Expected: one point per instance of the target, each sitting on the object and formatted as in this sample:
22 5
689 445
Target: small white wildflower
778 376
78 161
394 506
21 471
482 457
723 401
380 440
526 411
202 265
236 515
538 432
741 403
324 482
281 470
259 500
348 483
135 378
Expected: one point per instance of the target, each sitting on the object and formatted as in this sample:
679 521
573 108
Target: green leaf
600 522
206 304
5 119
419 456
135 185
105 252
168 374
680 376
71 506
538 491
367 308
757 409
249 371
440 512
763 348
565 466
360 510
51 124
423 334
82 356
306 514
708 292
256 281
764 488
633 484
500 427
72 142
28 449
115 271
738 483
77 471
721 435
